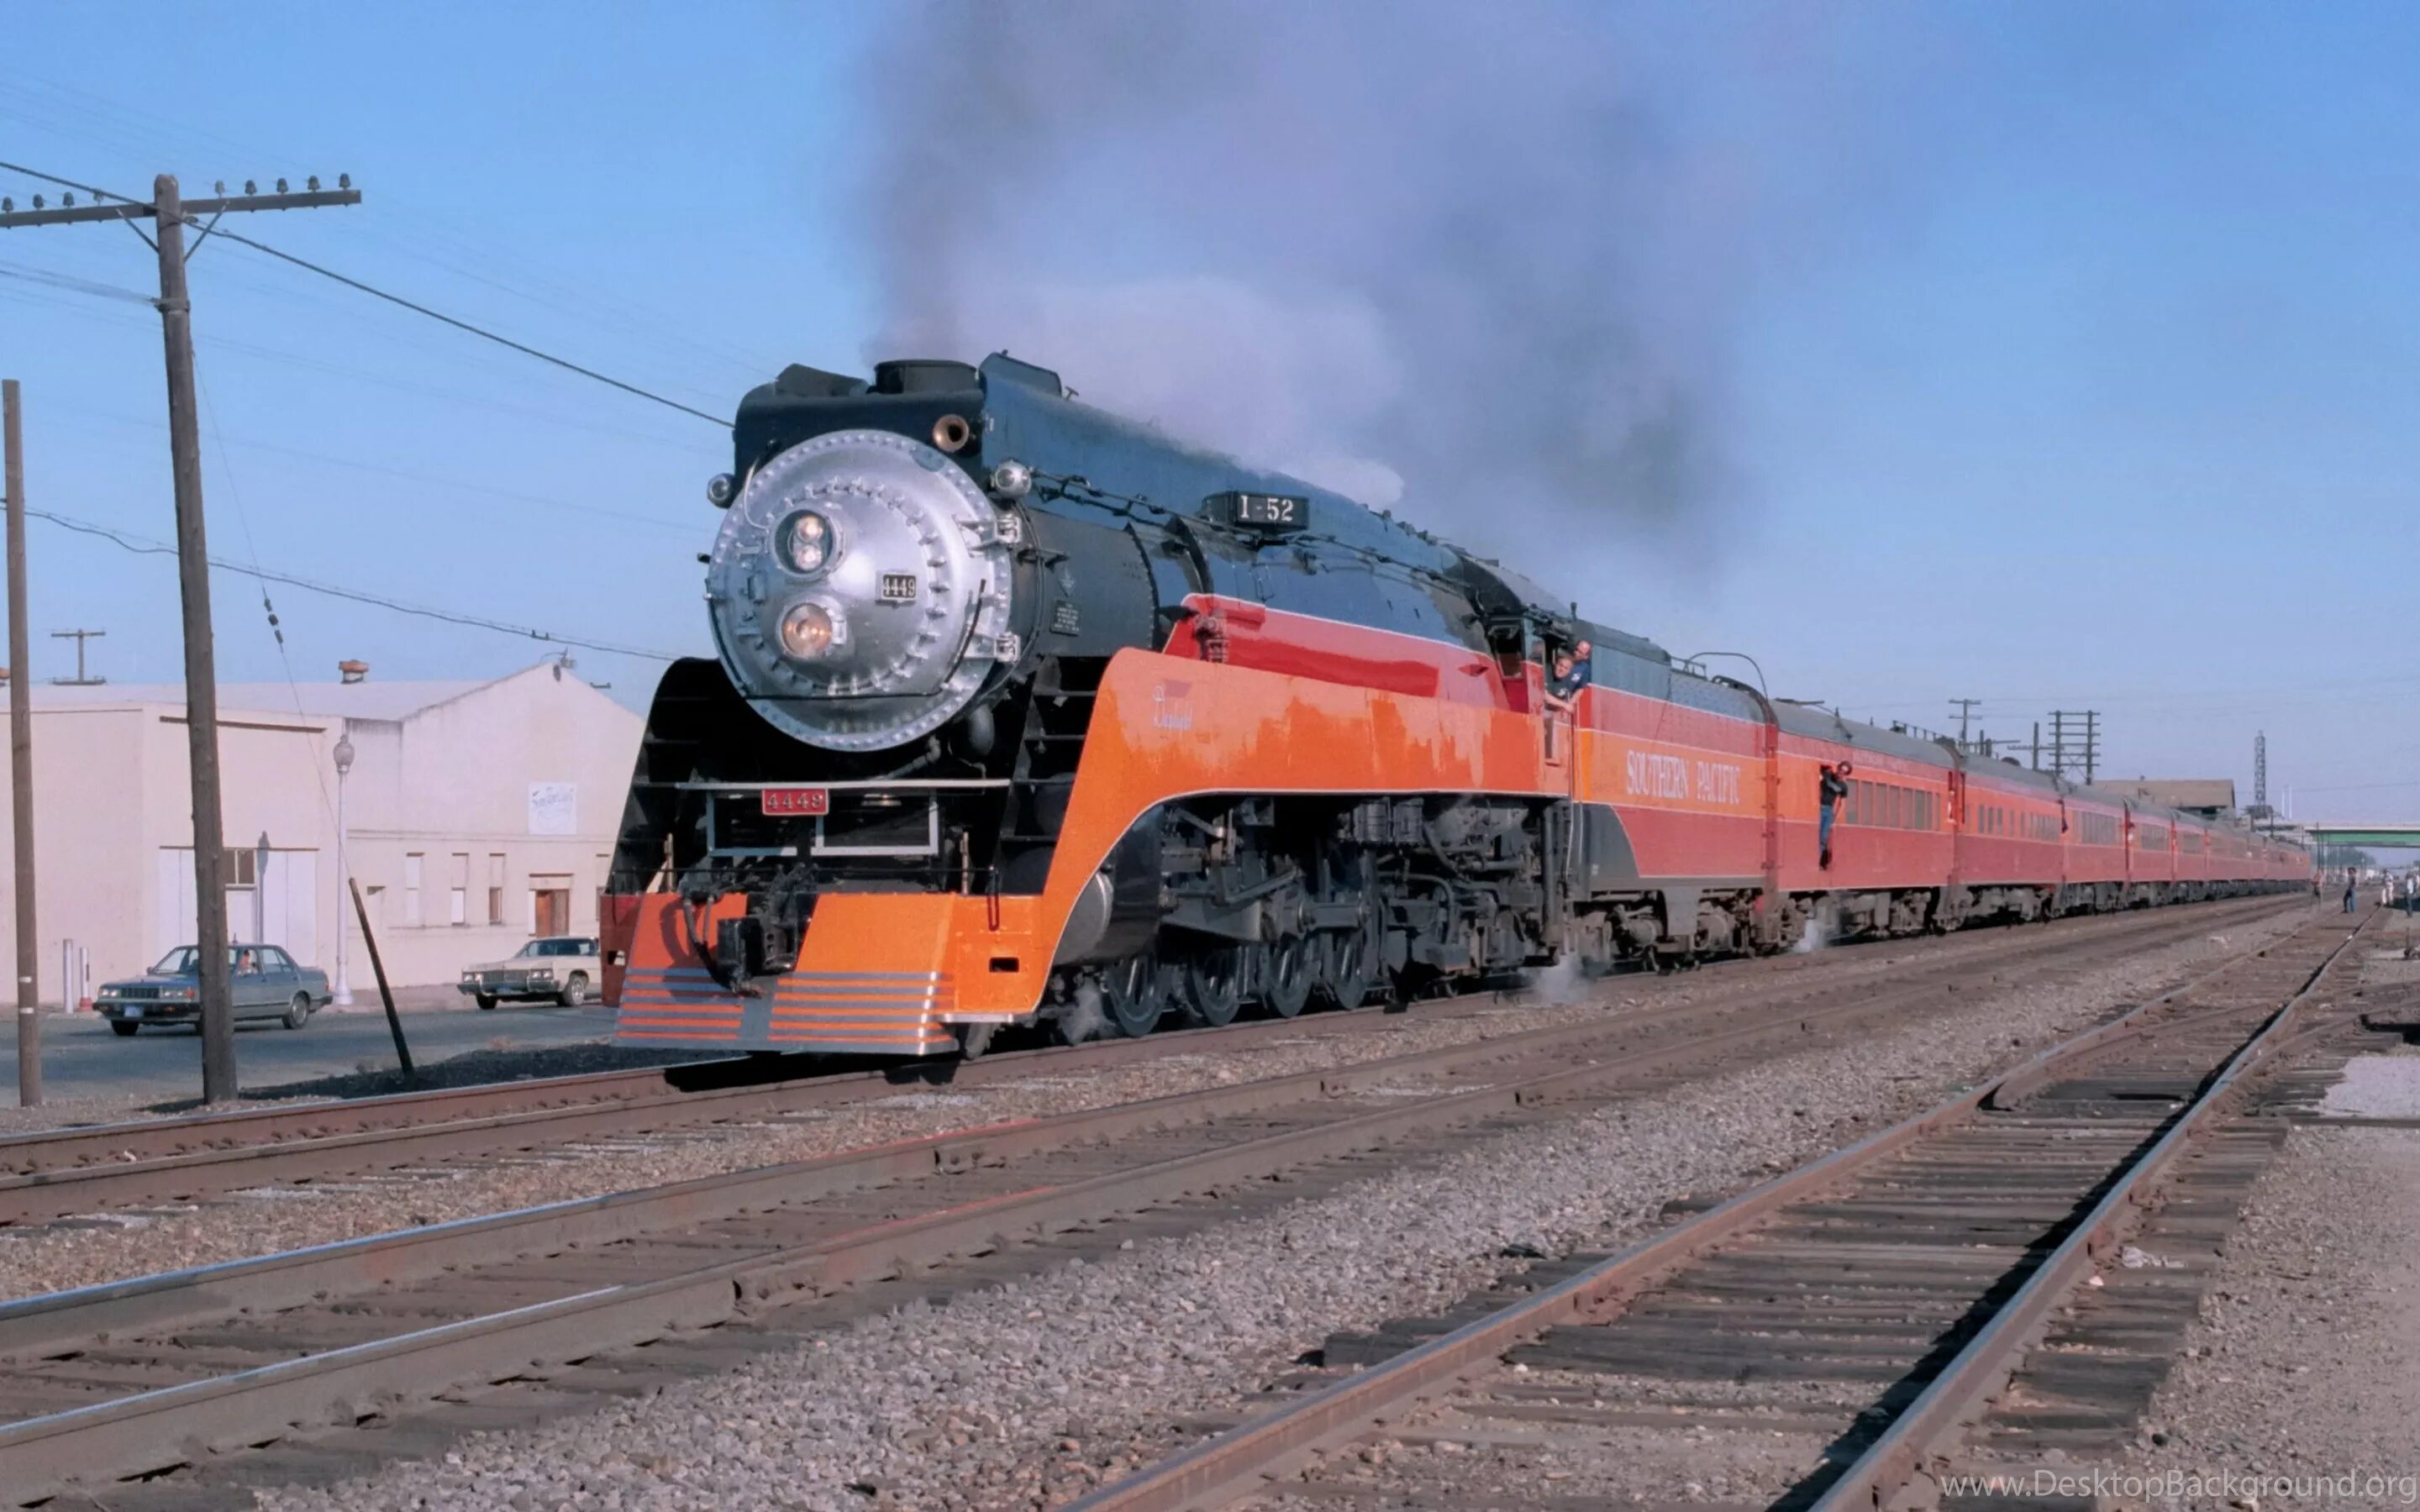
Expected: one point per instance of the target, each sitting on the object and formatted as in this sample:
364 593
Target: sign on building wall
554 808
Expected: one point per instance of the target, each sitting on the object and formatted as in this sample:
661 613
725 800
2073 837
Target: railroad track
340 1352
170 1163
1835 1333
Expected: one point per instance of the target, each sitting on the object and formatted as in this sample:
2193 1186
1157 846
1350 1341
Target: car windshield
185 961
544 947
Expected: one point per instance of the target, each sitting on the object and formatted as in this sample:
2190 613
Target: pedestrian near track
2351 886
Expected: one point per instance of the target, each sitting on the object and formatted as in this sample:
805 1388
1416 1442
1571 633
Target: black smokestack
1493 261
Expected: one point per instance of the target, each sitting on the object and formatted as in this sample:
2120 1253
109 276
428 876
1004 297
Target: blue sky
2101 397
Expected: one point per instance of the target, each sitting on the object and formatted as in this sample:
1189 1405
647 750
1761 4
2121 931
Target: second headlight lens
807 631
807 542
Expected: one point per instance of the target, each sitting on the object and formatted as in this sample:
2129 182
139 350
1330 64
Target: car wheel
575 992
123 1028
486 1001
298 1012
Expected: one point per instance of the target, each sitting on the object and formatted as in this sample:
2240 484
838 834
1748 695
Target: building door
288 892
550 905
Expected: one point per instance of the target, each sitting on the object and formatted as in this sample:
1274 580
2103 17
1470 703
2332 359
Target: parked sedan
266 982
562 968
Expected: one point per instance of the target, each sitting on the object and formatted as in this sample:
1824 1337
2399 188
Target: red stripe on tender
1243 634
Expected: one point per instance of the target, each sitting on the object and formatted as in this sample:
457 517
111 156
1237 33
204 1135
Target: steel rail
157 1429
298 1151
45 1149
71 1148
1246 1460
32 1324
324 1140
1956 1396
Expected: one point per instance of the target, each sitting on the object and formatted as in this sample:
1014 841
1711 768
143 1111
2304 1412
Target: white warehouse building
476 814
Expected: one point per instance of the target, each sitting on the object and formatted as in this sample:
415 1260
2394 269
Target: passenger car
267 985
563 968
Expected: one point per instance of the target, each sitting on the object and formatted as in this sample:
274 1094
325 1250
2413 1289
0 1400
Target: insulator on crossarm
312 183
344 180
281 186
251 188
217 187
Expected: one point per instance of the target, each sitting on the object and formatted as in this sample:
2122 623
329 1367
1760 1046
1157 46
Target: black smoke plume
1492 262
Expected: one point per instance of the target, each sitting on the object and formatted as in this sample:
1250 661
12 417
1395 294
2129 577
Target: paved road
80 1057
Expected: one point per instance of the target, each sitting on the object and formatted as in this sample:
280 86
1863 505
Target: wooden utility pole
201 656
21 754
169 215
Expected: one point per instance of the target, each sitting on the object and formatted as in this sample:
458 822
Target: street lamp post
344 754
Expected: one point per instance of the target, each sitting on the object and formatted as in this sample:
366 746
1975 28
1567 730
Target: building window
412 914
457 888
242 875
374 902
495 887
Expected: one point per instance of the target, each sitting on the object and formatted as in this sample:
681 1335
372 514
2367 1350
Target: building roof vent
353 672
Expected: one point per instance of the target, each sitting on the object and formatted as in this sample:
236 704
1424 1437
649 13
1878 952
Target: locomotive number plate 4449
898 587
804 801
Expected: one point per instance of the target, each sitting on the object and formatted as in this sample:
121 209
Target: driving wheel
1213 986
1348 965
1285 985
1133 995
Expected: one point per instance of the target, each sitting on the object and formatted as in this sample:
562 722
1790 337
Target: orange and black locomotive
1023 713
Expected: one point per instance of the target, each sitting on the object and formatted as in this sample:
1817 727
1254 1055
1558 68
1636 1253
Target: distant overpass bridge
2383 836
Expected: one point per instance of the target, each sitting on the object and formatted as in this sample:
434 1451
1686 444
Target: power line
408 474
375 292
587 421
424 233
64 183
141 547
2355 786
71 283
565 363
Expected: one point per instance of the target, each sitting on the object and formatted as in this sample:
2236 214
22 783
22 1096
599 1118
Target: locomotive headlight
810 631
806 543
862 590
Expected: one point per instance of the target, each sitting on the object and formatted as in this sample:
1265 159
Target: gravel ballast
2376 1087
2300 1380
1026 1394
111 1247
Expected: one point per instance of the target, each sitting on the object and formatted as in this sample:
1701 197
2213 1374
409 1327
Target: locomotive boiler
1024 713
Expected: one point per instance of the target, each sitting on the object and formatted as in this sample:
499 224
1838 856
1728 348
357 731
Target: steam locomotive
1024 713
